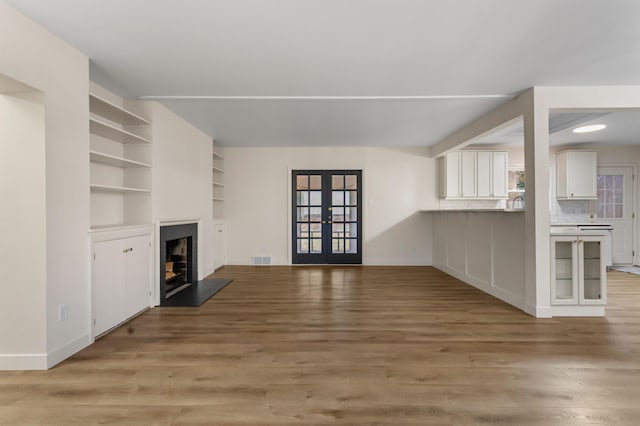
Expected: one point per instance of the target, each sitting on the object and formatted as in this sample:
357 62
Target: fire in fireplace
176 273
178 258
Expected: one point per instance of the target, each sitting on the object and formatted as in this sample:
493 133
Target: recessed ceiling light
589 128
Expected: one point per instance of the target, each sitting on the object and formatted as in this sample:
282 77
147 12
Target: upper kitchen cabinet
478 175
577 173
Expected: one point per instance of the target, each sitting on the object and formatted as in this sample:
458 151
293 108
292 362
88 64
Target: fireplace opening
178 259
177 274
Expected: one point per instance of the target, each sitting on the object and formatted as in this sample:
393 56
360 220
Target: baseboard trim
577 311
12 362
65 351
538 311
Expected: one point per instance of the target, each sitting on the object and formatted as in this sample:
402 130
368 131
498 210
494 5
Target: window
610 196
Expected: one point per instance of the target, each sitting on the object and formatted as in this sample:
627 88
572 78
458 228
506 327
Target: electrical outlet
63 313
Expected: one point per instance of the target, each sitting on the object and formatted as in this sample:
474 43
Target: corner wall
28 52
398 183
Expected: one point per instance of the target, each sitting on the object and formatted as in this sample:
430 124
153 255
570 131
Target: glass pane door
327 223
564 271
593 272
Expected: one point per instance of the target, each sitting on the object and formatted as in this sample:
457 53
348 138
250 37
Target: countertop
475 210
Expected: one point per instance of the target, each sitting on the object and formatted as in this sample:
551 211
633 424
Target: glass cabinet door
592 272
564 271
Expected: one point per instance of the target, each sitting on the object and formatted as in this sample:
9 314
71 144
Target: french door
326 216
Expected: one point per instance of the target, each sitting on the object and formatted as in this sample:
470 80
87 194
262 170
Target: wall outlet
63 313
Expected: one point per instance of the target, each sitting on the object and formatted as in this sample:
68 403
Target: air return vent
261 260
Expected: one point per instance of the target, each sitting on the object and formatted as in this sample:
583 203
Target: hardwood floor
348 345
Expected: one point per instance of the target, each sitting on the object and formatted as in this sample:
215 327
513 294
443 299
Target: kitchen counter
474 210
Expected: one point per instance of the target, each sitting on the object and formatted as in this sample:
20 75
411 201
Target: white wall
23 223
181 178
484 249
33 56
397 184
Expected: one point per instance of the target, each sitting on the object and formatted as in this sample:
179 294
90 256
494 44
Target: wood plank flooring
346 345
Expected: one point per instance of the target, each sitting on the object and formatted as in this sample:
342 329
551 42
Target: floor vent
261 260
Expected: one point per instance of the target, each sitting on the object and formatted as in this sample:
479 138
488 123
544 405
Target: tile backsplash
471 204
566 211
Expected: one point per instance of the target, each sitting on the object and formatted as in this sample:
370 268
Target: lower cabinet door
108 285
137 279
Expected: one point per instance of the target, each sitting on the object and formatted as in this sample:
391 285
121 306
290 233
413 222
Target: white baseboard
65 351
538 311
23 362
577 311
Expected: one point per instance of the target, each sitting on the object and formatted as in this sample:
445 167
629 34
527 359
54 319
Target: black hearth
178 259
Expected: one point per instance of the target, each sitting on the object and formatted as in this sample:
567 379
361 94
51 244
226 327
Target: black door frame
327 256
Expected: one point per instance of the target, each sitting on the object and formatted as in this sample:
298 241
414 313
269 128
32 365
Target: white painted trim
65 351
289 213
324 98
13 362
497 292
178 221
538 311
577 311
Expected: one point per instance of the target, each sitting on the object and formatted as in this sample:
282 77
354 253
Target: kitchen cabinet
577 174
474 175
121 280
578 272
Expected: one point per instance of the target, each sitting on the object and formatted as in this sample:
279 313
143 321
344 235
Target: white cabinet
577 174
450 175
578 272
499 174
469 173
474 175
121 280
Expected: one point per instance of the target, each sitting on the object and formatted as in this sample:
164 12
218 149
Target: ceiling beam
502 116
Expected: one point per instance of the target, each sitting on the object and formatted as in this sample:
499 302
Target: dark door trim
326 256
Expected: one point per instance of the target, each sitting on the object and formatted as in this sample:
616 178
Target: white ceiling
623 128
344 48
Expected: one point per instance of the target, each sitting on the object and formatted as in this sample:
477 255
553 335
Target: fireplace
178 259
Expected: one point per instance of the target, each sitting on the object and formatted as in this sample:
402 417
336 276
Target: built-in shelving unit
109 131
111 188
218 184
120 158
112 160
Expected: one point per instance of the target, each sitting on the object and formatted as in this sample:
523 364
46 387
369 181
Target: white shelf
112 160
218 199
517 190
114 112
110 188
217 183
216 169
118 226
218 156
112 132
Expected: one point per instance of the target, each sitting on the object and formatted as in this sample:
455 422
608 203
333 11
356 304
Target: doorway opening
326 216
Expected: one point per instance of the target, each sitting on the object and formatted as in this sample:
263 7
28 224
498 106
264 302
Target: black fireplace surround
168 234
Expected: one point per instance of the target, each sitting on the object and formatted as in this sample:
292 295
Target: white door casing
615 206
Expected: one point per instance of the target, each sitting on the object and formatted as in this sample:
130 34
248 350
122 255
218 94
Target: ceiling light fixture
589 128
